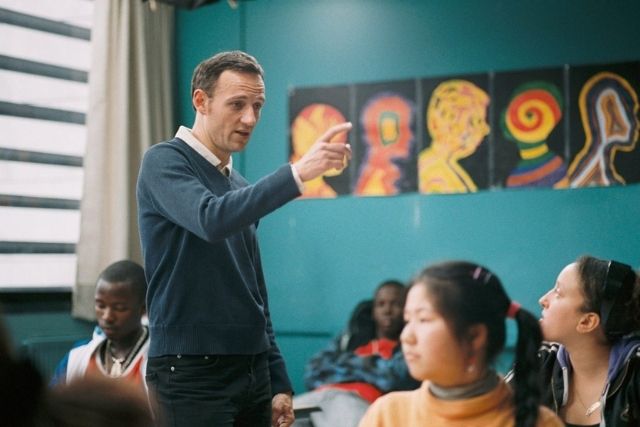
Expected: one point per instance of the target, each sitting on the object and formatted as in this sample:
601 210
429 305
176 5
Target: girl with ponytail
455 316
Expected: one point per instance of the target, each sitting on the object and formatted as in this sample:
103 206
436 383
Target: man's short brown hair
206 74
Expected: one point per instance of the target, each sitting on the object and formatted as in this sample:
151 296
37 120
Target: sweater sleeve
332 366
169 182
321 368
388 374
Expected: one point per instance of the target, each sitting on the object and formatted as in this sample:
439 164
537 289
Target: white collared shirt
184 133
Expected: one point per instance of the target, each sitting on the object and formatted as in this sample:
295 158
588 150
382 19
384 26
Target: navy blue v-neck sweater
207 293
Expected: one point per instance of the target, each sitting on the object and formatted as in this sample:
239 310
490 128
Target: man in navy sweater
213 359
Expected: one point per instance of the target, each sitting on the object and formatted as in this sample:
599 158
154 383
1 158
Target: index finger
334 130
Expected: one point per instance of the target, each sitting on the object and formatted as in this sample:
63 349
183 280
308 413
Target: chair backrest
46 352
360 329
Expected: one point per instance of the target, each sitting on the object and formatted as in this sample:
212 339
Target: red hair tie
513 309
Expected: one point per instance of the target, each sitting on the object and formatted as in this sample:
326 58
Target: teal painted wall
35 326
42 330
322 256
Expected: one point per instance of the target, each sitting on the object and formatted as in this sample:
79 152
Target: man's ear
589 322
199 100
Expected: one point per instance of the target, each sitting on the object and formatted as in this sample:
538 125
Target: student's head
455 313
388 305
120 299
227 94
592 297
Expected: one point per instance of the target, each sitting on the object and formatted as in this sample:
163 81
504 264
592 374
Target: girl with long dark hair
455 327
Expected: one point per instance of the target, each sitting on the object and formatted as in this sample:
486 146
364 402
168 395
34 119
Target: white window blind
45 52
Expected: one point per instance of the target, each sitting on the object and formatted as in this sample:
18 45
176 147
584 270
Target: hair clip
478 272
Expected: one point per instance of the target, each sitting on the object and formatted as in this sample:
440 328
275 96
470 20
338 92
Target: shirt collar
184 133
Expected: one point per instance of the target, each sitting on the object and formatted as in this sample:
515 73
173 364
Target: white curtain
131 107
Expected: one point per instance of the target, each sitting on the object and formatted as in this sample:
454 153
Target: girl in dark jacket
591 358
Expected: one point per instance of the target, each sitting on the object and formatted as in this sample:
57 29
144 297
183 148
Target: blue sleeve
332 366
321 368
196 208
392 374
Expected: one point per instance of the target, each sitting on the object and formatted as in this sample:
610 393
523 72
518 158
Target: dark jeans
211 391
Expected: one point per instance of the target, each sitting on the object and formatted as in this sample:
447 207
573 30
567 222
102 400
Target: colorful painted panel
385 149
453 158
562 127
312 112
604 125
530 125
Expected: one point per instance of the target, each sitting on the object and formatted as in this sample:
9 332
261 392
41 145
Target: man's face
231 112
118 309
388 307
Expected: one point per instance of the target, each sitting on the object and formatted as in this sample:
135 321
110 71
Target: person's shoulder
164 154
395 399
172 145
81 343
548 418
85 341
77 347
390 408
96 338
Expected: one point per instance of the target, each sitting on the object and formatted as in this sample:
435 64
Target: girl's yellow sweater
421 408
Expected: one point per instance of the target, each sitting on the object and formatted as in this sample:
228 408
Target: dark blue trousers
210 391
